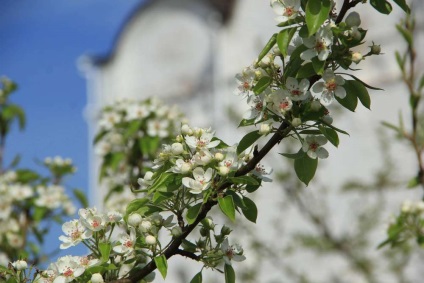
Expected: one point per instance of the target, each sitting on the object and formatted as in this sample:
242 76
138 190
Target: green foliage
305 168
316 13
226 204
162 265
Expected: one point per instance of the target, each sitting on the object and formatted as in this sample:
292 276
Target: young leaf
80 196
316 13
105 249
306 71
251 211
192 213
296 155
136 204
162 265
247 180
305 168
247 141
330 134
318 65
261 85
268 47
197 278
246 122
407 35
227 206
230 275
283 39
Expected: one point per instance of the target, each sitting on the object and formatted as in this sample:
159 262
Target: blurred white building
188 51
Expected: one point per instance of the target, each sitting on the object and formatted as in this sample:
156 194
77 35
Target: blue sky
40 42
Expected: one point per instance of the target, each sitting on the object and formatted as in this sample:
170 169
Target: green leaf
283 39
251 211
159 196
227 206
366 85
162 181
316 13
162 265
290 22
268 47
247 180
407 35
334 128
149 145
252 188
193 212
403 5
330 134
400 60
305 168
136 204
13 111
230 275
81 197
261 85
116 159
132 129
360 91
15 161
414 182
39 213
105 249
318 65
246 122
247 141
307 70
26 176
382 6
295 62
296 155
197 278
350 101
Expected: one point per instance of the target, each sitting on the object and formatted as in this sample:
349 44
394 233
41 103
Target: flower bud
315 105
353 19
219 156
185 168
179 138
276 51
97 278
224 170
186 130
150 240
145 225
225 230
208 222
406 206
177 148
328 119
356 57
356 34
375 49
204 232
266 61
176 231
258 74
134 219
264 129
296 122
20 265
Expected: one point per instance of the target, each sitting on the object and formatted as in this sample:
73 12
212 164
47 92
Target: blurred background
71 58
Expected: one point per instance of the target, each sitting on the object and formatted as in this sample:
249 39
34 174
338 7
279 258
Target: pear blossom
312 146
109 120
297 91
158 127
46 276
285 9
97 278
230 160
150 240
68 268
75 233
318 44
137 111
181 166
146 181
261 171
202 157
331 86
257 108
245 81
127 243
20 264
232 252
201 140
281 102
201 181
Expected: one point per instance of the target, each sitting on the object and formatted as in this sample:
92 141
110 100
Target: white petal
318 87
278 8
323 55
321 140
340 92
308 54
322 153
326 98
309 42
291 83
312 154
304 85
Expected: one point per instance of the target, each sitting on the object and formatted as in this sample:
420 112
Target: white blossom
285 9
200 182
331 86
312 146
231 252
318 44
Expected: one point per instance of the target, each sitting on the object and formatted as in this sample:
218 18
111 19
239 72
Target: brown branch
346 6
188 254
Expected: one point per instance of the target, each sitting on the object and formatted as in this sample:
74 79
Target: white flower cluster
199 157
409 207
